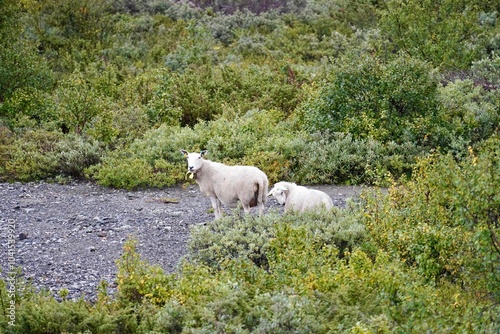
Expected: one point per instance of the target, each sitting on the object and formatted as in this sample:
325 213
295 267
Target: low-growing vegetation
422 257
397 94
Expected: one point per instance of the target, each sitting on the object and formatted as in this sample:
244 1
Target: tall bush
204 92
368 98
444 222
470 114
445 33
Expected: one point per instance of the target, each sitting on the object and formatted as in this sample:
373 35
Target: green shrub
443 223
204 92
395 101
265 139
21 67
227 28
44 314
28 108
40 154
33 156
138 281
132 173
420 29
6 140
195 50
307 287
75 154
487 71
229 238
340 159
250 238
469 115
77 103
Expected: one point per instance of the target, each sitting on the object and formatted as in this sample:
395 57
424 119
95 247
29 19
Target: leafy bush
132 173
33 156
264 139
470 114
339 158
41 154
394 101
75 154
204 92
28 108
21 67
250 238
452 41
487 71
317 279
444 222
139 281
227 28
44 314
78 102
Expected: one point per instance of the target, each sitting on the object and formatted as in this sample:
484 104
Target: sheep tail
263 190
260 194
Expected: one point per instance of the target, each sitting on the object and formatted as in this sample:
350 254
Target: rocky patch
70 236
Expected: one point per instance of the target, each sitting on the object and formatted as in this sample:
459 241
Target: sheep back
302 199
231 184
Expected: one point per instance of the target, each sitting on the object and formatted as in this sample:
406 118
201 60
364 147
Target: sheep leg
261 208
246 208
216 204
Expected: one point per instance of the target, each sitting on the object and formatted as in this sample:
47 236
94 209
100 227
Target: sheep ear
185 153
202 153
282 188
270 194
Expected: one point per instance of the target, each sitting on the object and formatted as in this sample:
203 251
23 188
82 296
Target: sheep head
194 160
279 192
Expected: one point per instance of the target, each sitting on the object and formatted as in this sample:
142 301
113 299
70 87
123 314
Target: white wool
299 198
228 184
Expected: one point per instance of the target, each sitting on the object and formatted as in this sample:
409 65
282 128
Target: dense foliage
386 81
390 93
422 257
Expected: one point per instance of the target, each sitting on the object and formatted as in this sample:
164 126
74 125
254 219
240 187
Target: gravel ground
70 236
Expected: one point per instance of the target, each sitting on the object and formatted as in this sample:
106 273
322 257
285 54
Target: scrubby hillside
399 94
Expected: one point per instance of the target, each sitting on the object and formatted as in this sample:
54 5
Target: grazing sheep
299 198
228 184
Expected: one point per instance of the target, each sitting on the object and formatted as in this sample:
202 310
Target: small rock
23 236
91 249
124 227
102 234
80 217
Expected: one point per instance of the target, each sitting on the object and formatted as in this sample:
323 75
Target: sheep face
279 192
194 160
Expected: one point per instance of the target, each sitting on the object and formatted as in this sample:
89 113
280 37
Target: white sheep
299 198
228 184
